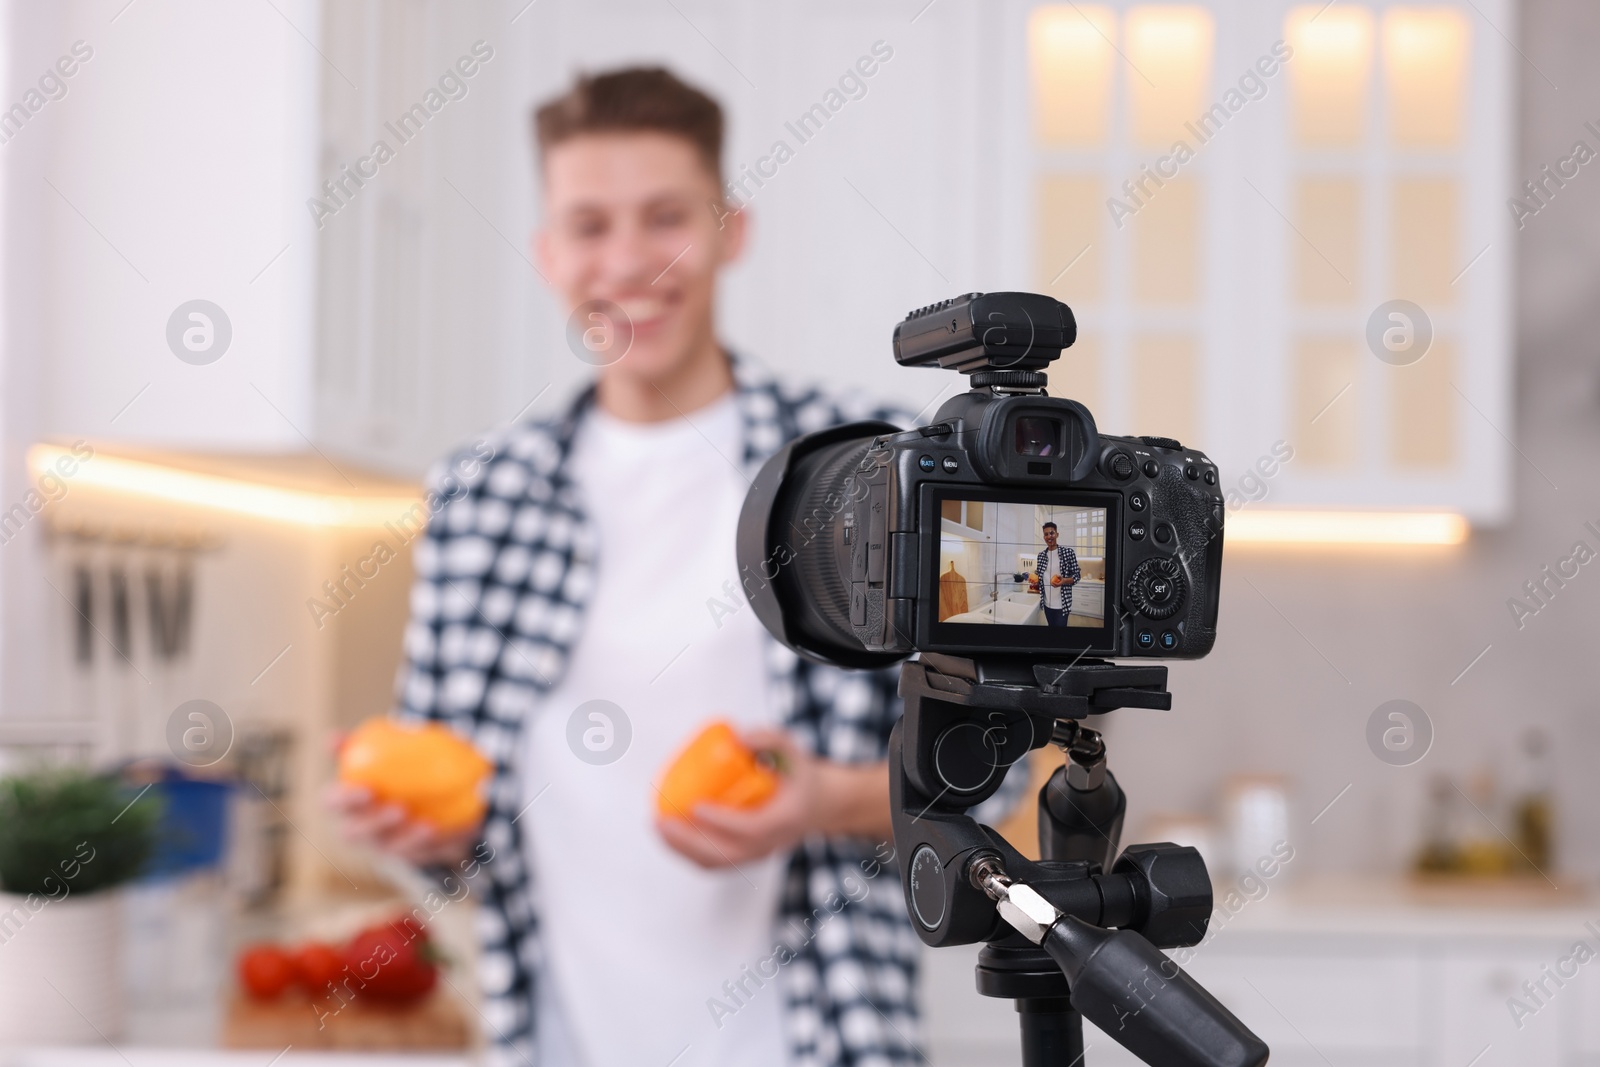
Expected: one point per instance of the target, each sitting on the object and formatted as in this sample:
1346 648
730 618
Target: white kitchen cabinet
1588 1012
1089 598
1476 1025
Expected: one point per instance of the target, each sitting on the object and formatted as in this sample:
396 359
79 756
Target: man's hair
1050 526
634 100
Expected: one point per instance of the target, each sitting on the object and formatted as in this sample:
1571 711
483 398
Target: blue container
193 832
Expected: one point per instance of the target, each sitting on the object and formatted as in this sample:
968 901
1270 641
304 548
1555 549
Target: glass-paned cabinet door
1283 232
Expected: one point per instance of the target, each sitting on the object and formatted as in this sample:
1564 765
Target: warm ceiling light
1262 526
1169 60
222 493
1329 73
1070 55
1333 36
1425 54
1170 32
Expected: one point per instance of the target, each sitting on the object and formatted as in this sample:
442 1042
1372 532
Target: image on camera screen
1021 564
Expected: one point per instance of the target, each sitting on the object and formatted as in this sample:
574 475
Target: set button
1155 589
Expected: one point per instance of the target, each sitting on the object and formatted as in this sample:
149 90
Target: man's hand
814 796
387 828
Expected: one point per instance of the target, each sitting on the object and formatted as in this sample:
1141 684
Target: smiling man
561 619
1054 574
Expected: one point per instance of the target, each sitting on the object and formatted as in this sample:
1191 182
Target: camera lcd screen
1023 573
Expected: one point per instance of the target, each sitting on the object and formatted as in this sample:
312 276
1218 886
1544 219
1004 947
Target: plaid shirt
1067 560
502 579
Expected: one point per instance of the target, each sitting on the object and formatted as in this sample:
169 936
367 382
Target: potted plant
68 840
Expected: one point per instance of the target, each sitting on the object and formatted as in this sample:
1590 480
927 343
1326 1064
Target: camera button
1169 640
1136 530
1151 468
1146 639
1163 533
1159 590
1211 477
1191 472
950 464
1138 502
926 463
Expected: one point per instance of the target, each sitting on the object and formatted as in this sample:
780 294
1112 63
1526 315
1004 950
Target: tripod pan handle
1146 1002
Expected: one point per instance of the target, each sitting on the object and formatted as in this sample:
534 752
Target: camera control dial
1156 588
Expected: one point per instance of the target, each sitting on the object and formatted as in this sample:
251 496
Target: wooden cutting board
437 1023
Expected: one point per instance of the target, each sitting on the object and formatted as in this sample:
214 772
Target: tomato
424 768
317 966
265 971
393 962
714 767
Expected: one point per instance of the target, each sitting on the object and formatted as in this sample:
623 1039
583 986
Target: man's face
629 218
1050 537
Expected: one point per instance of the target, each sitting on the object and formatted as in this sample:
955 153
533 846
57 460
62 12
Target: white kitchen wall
166 174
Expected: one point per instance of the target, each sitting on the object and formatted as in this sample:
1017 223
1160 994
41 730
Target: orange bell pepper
424 768
715 767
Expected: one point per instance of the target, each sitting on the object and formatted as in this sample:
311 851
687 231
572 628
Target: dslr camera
1007 526
1017 551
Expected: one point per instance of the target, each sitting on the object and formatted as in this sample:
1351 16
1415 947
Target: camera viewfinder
1038 435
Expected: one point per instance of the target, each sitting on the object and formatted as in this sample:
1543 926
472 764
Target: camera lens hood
790 555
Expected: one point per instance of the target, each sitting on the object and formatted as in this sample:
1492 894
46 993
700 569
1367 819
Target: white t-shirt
637 938
1052 593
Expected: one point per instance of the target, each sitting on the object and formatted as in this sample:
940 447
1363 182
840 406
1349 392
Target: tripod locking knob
1124 984
1171 890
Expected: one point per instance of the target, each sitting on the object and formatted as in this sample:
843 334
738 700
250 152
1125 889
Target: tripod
1076 934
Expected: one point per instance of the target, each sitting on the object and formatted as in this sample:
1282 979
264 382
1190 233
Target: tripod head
1079 930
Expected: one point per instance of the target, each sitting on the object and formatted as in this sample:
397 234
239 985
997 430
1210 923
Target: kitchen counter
1357 971
1401 907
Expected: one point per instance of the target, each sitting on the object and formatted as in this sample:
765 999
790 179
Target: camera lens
1037 435
795 545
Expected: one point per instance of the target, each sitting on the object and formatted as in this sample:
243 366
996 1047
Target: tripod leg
1052 1033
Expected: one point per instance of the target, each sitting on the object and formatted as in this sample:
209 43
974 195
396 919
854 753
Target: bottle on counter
1440 852
1532 806
1485 851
